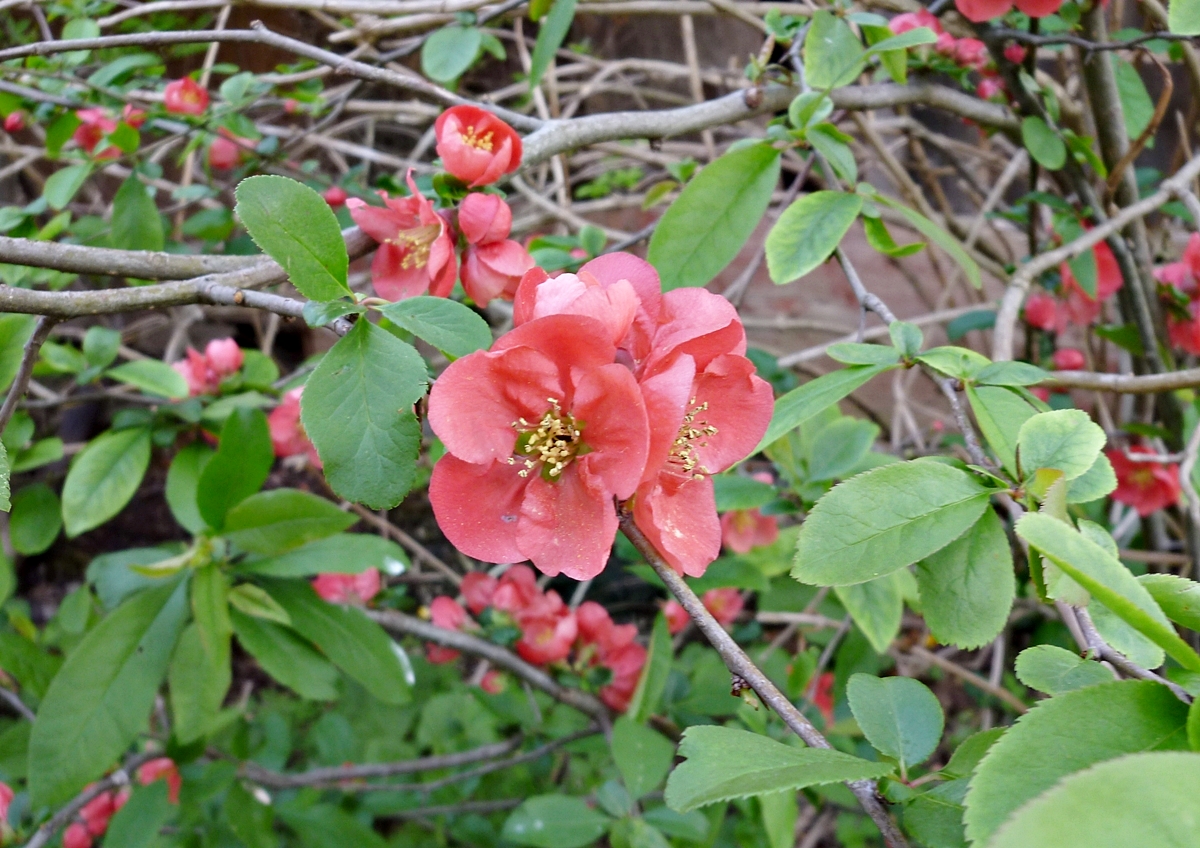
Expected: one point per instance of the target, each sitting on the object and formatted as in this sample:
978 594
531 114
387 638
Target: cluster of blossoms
419 246
1181 292
1146 486
546 630
1073 305
358 589
606 390
95 815
97 124
968 53
725 604
978 11
204 371
287 432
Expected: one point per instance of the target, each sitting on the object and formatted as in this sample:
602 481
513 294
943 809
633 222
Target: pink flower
1078 306
76 836
133 116
547 640
204 372
914 20
339 588
978 11
445 612
94 125
335 196
477 589
475 145
517 590
1145 486
725 604
227 151
1041 311
989 87
493 682
626 666
185 97
597 628
416 252
14 121
676 615
542 431
224 356
287 432
97 812
1015 53
1185 334
1069 359
162 768
493 264
971 53
745 529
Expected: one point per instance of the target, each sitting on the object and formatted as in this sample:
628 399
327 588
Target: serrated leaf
723 764
876 608
885 519
448 325
136 224
833 55
1000 414
1066 439
1054 670
295 227
808 232
1067 733
900 717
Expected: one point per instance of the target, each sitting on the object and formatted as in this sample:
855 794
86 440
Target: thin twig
40 333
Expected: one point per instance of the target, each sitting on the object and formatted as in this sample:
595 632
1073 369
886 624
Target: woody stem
739 663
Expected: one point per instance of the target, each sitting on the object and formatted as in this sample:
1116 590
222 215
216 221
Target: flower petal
615 428
478 507
740 405
680 519
567 526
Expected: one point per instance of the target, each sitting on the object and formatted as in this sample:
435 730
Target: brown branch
966 675
107 262
1131 384
115 780
739 663
40 333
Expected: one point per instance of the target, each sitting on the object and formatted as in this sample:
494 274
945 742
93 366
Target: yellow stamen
691 433
479 140
554 441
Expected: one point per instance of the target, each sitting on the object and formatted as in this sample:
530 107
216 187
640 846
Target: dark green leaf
347 553
643 756
653 682
136 224
281 519
1043 143
452 328
136 824
237 470
183 478
550 37
286 657
152 377
36 519
802 403
554 821
1054 670
104 477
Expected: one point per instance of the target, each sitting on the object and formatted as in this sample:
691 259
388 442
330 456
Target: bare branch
40 333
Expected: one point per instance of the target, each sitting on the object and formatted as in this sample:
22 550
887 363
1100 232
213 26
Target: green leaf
296 228
1108 581
42 452
885 519
345 553
1093 484
136 825
152 377
967 588
198 677
15 331
281 519
801 404
876 607
834 145
655 672
101 698
551 34
554 821
351 641
64 184
1043 143
852 353
328 826
1147 800
1183 17
100 346
809 231
969 753
449 51
899 716
357 409
723 764
286 657
452 328
703 230
36 519
643 756
183 478
1066 439
1178 597
935 817
250 821
938 236
239 467
1136 104
1054 670
1011 374
1193 726
136 224
833 55
103 478
1000 414
737 491
254 601
318 313
838 448
1064 734
880 238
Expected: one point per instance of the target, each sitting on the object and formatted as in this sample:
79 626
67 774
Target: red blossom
745 529
725 604
162 768
542 431
14 121
823 696
1078 306
1015 53
335 196
493 264
445 612
185 97
547 640
1069 359
989 87
478 588
416 252
97 812
133 116
76 836
94 125
227 150
979 11
676 615
971 53
626 666
913 20
475 145
1145 486
6 797
337 588
204 372
288 437
493 682
1041 311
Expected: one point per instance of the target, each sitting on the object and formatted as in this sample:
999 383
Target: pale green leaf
808 232
103 478
801 404
899 716
1054 670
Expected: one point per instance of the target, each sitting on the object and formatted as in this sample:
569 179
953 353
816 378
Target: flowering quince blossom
76 836
1080 308
227 150
335 196
348 588
476 146
745 529
493 264
493 682
162 768
6 797
416 251
1145 486
1041 311
14 121
185 97
94 125
615 649
287 432
445 612
1182 277
978 11
707 408
543 430
823 696
725 604
204 372
1015 53
676 616
1069 359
